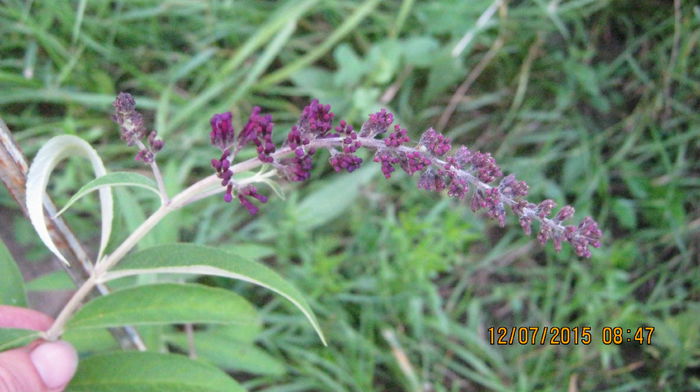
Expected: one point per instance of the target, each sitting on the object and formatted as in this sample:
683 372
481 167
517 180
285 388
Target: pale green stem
187 196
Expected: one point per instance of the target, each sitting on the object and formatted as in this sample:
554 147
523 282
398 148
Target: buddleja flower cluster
462 173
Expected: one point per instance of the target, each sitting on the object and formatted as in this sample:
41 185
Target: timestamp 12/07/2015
549 335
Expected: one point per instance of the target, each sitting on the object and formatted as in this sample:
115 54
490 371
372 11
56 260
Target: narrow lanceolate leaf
202 260
229 354
166 303
54 151
149 371
12 290
109 180
15 337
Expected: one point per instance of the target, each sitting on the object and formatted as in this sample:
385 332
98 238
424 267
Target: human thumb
46 367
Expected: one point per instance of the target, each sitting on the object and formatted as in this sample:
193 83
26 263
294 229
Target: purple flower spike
222 134
129 120
457 171
132 130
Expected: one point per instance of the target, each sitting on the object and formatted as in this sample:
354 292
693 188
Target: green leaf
56 280
445 71
149 372
16 337
54 151
91 340
331 200
625 212
384 59
229 354
109 180
239 333
351 67
202 260
419 51
12 288
250 250
165 303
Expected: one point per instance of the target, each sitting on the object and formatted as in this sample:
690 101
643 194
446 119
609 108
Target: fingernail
55 362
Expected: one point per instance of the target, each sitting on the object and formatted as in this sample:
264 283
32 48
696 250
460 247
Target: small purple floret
387 159
316 119
297 168
344 161
259 131
377 123
250 191
436 143
397 138
413 161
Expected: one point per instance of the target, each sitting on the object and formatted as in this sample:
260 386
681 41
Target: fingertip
15 317
56 363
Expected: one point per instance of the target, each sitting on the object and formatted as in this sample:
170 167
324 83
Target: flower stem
182 199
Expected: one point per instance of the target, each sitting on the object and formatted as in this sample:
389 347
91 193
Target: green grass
593 103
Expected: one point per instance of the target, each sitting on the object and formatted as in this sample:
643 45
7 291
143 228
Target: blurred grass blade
202 260
252 75
110 180
293 10
12 291
78 21
54 151
271 51
155 372
165 303
346 28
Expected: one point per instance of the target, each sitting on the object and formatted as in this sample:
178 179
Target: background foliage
593 103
